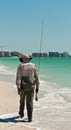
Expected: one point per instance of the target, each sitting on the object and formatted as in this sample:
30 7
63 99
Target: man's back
27 70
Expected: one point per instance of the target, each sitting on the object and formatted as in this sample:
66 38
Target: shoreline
52 112
9 104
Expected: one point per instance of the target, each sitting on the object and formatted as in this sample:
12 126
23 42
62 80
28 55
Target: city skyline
21 24
35 54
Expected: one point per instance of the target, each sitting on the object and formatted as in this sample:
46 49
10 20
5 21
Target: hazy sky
21 23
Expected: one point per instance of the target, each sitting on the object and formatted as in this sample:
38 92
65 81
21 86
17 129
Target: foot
21 114
29 120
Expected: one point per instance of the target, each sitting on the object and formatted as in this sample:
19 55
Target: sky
21 25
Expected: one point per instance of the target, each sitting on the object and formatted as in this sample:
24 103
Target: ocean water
53 109
56 70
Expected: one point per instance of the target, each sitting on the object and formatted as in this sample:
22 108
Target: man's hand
19 91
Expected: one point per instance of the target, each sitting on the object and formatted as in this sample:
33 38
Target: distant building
57 54
53 54
44 55
36 54
65 54
15 53
1 54
9 54
39 54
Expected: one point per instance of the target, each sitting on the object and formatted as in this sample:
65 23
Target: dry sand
9 103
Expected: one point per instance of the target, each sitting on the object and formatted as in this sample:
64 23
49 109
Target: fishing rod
41 44
36 96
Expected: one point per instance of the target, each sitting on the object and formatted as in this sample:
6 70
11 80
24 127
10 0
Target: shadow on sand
15 119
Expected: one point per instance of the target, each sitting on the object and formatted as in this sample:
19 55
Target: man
26 81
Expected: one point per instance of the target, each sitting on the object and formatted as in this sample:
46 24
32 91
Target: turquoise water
57 70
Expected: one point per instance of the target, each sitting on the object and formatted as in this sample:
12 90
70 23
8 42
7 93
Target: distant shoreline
36 54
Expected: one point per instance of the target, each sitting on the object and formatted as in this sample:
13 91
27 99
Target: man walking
26 81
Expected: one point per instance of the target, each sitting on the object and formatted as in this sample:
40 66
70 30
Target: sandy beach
9 104
56 115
